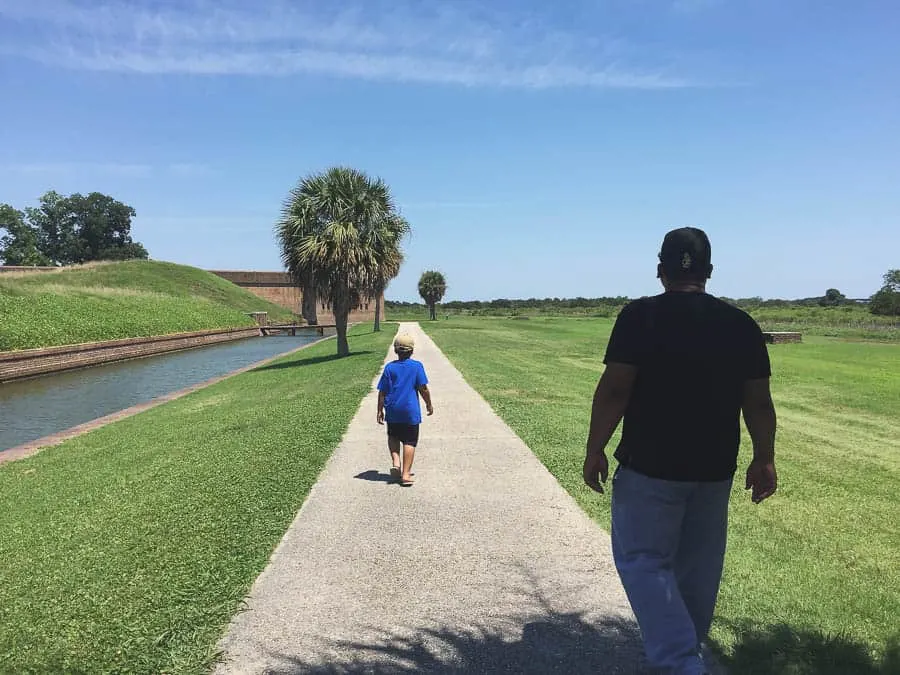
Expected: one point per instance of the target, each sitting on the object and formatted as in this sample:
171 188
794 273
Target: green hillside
110 301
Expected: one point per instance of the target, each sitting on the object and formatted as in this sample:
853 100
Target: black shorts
408 434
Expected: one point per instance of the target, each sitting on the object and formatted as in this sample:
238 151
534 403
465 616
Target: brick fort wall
277 287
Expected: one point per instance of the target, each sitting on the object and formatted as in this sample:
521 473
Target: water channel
32 409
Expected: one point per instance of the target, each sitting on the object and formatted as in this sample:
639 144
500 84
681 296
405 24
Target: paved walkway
485 565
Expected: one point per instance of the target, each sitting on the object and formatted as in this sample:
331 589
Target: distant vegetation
886 301
67 231
107 301
830 314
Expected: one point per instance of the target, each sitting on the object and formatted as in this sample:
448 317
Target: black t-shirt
693 354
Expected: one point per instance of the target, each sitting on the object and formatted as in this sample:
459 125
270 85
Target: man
680 368
399 388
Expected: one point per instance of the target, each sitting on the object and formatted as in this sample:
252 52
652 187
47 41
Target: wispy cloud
118 169
688 6
425 41
65 168
190 170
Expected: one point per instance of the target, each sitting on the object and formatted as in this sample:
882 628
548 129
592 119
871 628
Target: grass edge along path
811 579
130 548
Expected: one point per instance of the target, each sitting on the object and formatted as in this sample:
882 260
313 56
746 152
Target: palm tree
386 244
432 287
293 211
337 233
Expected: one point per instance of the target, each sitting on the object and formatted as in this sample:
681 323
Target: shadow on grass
780 649
310 361
552 643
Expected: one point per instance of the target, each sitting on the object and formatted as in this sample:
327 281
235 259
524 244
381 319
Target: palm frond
339 231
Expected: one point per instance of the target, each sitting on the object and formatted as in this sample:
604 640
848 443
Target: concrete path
486 565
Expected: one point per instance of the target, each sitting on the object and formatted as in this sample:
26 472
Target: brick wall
278 287
287 297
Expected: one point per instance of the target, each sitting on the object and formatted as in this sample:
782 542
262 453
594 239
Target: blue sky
537 148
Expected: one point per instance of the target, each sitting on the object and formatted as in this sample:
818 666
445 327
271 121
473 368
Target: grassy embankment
812 578
130 548
108 301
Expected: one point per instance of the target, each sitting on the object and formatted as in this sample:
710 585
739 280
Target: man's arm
380 415
610 401
426 396
761 421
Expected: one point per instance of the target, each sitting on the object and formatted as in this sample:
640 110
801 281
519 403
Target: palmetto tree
339 236
384 242
432 287
297 219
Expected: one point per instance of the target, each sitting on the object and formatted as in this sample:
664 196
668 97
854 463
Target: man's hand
429 410
380 417
761 479
596 470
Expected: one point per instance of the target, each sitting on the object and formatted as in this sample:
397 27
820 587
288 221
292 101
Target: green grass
130 548
119 300
848 321
812 583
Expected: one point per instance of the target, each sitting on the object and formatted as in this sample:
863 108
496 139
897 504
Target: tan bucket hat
404 342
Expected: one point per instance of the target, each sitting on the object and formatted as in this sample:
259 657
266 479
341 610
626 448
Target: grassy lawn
130 548
120 300
848 321
812 584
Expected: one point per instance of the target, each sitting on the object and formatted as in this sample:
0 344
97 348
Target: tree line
885 302
68 230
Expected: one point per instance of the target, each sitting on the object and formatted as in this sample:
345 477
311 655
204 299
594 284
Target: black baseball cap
686 254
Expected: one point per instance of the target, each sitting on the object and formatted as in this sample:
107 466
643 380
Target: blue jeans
668 541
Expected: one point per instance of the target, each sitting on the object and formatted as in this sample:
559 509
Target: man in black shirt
680 369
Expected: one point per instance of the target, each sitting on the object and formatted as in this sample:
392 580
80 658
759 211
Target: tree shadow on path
569 643
554 643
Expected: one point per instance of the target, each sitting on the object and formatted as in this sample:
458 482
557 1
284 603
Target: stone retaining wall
780 337
31 362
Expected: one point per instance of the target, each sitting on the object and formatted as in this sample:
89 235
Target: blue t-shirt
400 383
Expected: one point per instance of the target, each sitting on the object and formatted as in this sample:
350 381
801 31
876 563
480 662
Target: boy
398 404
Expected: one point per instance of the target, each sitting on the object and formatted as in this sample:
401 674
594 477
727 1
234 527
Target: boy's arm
426 396
380 415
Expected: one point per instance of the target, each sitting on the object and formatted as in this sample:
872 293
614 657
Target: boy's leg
410 440
409 454
395 447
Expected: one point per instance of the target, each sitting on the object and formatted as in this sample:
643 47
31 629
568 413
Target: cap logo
686 261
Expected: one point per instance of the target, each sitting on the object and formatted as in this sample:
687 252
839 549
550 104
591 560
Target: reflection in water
32 409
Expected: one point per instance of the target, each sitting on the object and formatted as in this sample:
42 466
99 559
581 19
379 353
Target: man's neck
687 287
